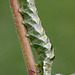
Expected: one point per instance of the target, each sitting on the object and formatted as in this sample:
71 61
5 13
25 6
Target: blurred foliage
58 19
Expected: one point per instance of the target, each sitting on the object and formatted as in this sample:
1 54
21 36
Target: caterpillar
37 36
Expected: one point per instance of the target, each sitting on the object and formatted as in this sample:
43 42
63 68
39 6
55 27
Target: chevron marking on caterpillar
37 36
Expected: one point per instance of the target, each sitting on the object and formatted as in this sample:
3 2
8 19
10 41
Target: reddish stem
26 49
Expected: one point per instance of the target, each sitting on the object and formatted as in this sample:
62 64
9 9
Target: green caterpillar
37 36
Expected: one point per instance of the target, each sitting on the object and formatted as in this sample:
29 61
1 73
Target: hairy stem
27 53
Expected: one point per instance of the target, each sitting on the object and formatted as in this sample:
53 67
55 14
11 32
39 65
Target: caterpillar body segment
37 36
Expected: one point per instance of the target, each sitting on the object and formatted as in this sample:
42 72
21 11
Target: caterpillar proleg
37 36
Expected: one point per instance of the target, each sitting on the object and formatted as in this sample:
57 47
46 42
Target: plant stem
26 49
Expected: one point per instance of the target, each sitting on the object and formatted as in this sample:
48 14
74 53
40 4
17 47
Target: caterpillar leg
19 10
23 22
36 64
31 44
27 35
37 72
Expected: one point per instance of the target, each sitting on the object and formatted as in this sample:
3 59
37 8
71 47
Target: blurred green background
58 19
